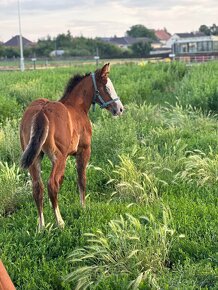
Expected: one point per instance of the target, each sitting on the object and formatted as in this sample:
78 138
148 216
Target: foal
62 128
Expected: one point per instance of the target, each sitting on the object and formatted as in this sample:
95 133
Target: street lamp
22 67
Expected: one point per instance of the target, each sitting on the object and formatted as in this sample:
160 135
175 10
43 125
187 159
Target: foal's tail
38 135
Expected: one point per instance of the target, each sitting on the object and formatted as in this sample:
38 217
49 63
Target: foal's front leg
82 159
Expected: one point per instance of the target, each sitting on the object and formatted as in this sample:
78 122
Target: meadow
151 220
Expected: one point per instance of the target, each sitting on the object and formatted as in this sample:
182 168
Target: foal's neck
81 96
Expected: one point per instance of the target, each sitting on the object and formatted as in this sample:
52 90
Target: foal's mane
73 81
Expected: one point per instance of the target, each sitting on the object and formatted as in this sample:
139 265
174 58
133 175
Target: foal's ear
105 72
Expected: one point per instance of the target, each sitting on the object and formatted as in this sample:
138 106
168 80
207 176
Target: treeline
77 47
88 47
72 46
84 47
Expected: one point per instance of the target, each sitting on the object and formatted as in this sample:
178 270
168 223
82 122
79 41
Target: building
162 35
193 46
156 44
177 36
161 52
58 52
15 42
196 45
124 42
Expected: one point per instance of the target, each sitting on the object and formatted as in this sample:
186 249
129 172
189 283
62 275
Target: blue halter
97 96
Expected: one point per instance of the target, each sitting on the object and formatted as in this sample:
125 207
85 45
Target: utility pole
96 57
22 67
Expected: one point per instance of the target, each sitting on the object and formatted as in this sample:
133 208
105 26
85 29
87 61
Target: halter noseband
97 95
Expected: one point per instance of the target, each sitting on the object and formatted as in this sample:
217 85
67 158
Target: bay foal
62 128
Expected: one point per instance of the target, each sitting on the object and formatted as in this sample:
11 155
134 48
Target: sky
104 18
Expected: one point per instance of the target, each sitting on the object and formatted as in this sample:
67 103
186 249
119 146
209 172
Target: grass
12 188
125 248
151 216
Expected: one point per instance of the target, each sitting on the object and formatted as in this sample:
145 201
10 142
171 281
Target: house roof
191 34
162 34
15 41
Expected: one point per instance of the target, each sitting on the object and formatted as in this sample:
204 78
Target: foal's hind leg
82 159
54 183
35 172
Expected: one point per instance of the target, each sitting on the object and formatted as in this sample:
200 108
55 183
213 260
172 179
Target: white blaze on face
117 104
111 89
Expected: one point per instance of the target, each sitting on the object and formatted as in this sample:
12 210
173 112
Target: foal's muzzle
117 108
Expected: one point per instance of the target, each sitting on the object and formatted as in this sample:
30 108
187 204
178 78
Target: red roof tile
162 34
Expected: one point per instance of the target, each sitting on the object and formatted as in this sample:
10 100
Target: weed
129 246
200 168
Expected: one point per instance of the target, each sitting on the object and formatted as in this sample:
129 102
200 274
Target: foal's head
105 94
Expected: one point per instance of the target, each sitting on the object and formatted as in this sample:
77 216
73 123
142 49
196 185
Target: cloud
40 5
51 5
103 18
164 4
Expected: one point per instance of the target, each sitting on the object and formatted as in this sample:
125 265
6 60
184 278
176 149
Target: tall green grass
152 186
9 141
13 189
199 87
125 248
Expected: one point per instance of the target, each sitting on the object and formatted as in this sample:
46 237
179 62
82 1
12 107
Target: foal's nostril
121 110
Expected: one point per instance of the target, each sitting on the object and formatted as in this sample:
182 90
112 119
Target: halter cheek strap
97 96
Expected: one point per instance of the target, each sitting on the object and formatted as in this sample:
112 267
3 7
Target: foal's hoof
41 229
61 224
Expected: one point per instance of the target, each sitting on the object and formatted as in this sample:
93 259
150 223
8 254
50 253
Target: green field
45 63
151 220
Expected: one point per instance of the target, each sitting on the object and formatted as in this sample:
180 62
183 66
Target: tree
11 52
44 46
141 31
141 49
205 29
2 50
214 29
209 30
64 40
